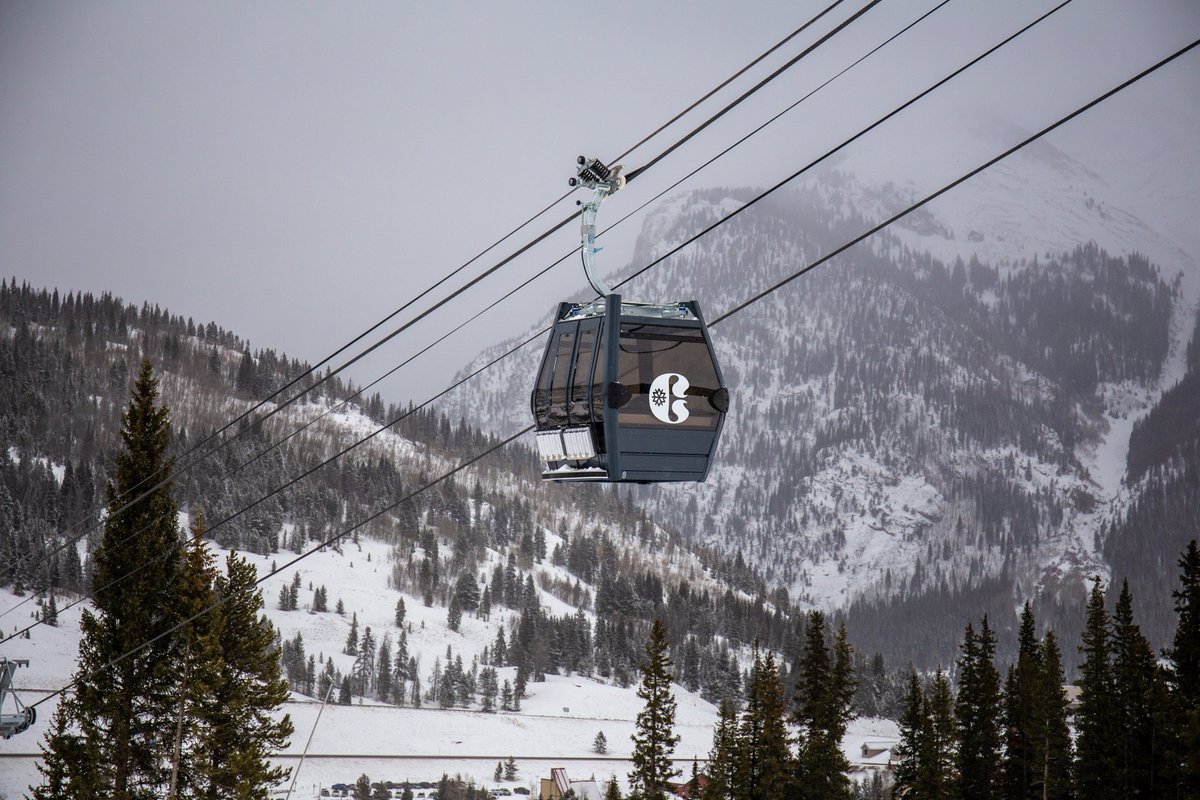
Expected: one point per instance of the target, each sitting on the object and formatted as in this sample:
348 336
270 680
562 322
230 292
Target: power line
455 294
470 284
653 263
737 309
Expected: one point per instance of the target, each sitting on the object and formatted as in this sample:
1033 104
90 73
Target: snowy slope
866 521
555 727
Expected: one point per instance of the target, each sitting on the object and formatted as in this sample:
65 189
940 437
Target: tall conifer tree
1134 677
251 687
1053 776
1022 744
938 741
654 739
823 707
906 754
977 718
1096 720
764 761
1183 679
113 737
722 759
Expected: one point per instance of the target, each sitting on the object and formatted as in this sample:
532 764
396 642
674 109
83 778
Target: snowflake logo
658 397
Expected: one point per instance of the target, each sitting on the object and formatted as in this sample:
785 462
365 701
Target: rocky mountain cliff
934 424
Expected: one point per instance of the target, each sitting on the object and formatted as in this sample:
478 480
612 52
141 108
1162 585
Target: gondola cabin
628 393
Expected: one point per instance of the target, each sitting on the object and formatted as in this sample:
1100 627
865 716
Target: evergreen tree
654 739
400 613
1096 720
910 746
976 717
1134 675
383 679
454 613
823 708
1022 742
351 648
937 740
1053 776
600 744
510 769
498 775
764 762
244 730
467 591
117 715
202 622
723 758
1183 679
612 791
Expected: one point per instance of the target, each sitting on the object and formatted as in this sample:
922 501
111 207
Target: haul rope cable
403 416
621 283
474 258
737 309
95 524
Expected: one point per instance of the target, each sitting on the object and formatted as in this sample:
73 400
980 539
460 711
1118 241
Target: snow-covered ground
555 728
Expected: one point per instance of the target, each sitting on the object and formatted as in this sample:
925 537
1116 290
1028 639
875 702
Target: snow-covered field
555 727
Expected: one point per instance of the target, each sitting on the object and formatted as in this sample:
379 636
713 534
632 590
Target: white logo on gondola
661 405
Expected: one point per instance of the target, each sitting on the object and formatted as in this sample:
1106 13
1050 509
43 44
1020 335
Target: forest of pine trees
177 669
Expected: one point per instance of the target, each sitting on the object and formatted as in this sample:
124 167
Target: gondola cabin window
670 375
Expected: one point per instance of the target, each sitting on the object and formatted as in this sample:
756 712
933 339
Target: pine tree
1022 742
654 739
938 740
117 714
723 758
400 613
203 621
1053 776
764 761
245 733
977 720
612 791
510 769
1134 675
351 648
1096 720
823 708
1183 679
498 775
383 679
454 613
600 744
910 746
489 688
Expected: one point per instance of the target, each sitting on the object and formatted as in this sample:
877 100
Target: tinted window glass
670 374
550 394
581 379
561 374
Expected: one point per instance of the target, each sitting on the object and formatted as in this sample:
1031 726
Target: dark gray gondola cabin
628 392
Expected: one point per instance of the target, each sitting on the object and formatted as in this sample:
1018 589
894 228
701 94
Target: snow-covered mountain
568 578
938 419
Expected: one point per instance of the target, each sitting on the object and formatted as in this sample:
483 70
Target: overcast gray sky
296 170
